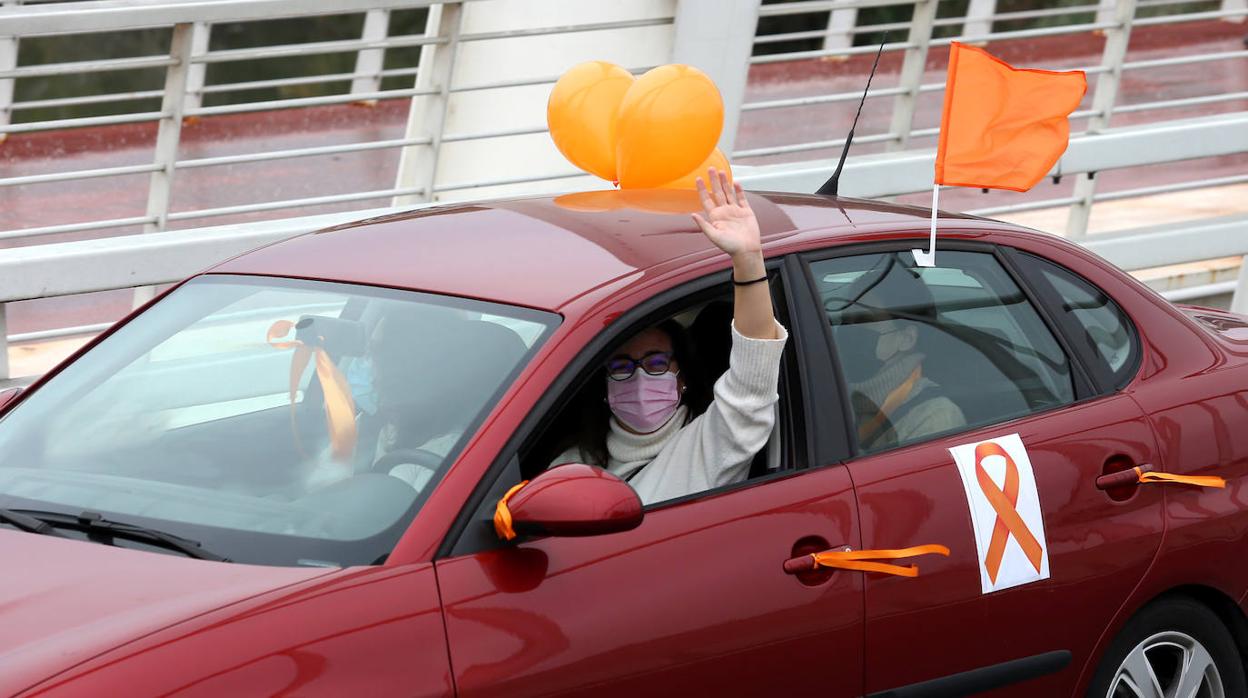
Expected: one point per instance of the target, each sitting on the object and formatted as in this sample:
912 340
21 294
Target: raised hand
731 225
728 220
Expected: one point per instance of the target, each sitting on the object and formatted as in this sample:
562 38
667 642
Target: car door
694 601
1035 574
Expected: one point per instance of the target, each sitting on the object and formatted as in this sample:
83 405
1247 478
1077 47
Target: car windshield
275 421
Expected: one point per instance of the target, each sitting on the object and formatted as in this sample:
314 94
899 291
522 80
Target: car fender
372 631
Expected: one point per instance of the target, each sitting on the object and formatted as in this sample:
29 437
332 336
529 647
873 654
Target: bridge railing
914 40
86 266
184 90
437 83
443 137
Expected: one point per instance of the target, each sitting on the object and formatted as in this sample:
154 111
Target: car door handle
1130 476
1144 474
806 563
846 558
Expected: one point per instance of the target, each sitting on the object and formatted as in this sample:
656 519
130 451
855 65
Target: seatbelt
339 407
894 399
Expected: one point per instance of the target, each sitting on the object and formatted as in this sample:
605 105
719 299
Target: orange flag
1003 127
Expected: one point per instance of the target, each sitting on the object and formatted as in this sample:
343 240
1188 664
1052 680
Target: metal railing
192 23
438 77
184 89
1114 21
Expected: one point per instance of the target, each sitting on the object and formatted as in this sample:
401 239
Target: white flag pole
928 259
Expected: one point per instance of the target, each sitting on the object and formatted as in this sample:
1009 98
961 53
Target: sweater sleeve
740 418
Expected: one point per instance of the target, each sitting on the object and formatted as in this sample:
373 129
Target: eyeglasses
655 363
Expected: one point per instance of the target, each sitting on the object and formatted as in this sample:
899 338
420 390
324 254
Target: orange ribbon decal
339 407
860 559
502 515
1197 480
1008 519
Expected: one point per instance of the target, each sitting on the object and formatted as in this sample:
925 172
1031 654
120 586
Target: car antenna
829 187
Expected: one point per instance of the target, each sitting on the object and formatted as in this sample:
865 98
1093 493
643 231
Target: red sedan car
282 476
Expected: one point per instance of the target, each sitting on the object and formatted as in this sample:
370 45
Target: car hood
64 601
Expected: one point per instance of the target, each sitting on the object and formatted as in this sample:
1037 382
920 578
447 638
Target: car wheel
1176 648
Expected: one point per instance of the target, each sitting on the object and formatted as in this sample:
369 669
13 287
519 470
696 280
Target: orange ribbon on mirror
502 515
339 407
861 560
1009 521
1197 480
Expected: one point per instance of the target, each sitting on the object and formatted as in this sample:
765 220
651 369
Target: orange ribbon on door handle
863 560
1197 480
1144 474
1004 502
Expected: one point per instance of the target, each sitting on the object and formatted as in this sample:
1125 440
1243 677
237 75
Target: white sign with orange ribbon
1005 512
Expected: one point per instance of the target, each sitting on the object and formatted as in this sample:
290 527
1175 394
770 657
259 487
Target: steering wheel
422 458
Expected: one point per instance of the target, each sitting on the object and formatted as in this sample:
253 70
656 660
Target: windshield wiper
26 522
90 522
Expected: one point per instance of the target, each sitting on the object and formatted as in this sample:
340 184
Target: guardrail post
1106 12
418 164
201 35
172 105
979 16
8 61
369 62
4 345
1230 5
1239 301
1103 100
841 25
717 37
912 73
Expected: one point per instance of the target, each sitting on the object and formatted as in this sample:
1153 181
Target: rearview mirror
575 500
8 396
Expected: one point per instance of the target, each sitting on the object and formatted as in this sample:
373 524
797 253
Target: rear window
930 351
1101 331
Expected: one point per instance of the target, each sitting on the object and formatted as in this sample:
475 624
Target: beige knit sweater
716 447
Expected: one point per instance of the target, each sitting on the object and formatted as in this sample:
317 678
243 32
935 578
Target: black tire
1166 623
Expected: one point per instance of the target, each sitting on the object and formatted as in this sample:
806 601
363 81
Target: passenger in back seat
898 404
882 354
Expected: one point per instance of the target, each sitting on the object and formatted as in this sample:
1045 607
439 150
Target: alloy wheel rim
1169 664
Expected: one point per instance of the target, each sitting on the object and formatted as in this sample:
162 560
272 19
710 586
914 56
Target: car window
583 428
928 351
276 421
1106 336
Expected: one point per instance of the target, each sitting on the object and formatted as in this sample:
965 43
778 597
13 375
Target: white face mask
889 343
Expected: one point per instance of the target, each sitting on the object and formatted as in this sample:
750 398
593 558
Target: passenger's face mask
644 402
890 343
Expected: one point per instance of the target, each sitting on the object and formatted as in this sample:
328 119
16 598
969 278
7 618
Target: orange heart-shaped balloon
669 122
717 160
583 113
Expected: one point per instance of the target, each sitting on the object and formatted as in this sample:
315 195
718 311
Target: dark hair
595 414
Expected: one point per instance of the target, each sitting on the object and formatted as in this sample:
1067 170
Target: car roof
561 247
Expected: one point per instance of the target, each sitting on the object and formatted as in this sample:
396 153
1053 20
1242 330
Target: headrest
339 337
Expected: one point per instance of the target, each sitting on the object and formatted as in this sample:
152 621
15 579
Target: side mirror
8 396
575 500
